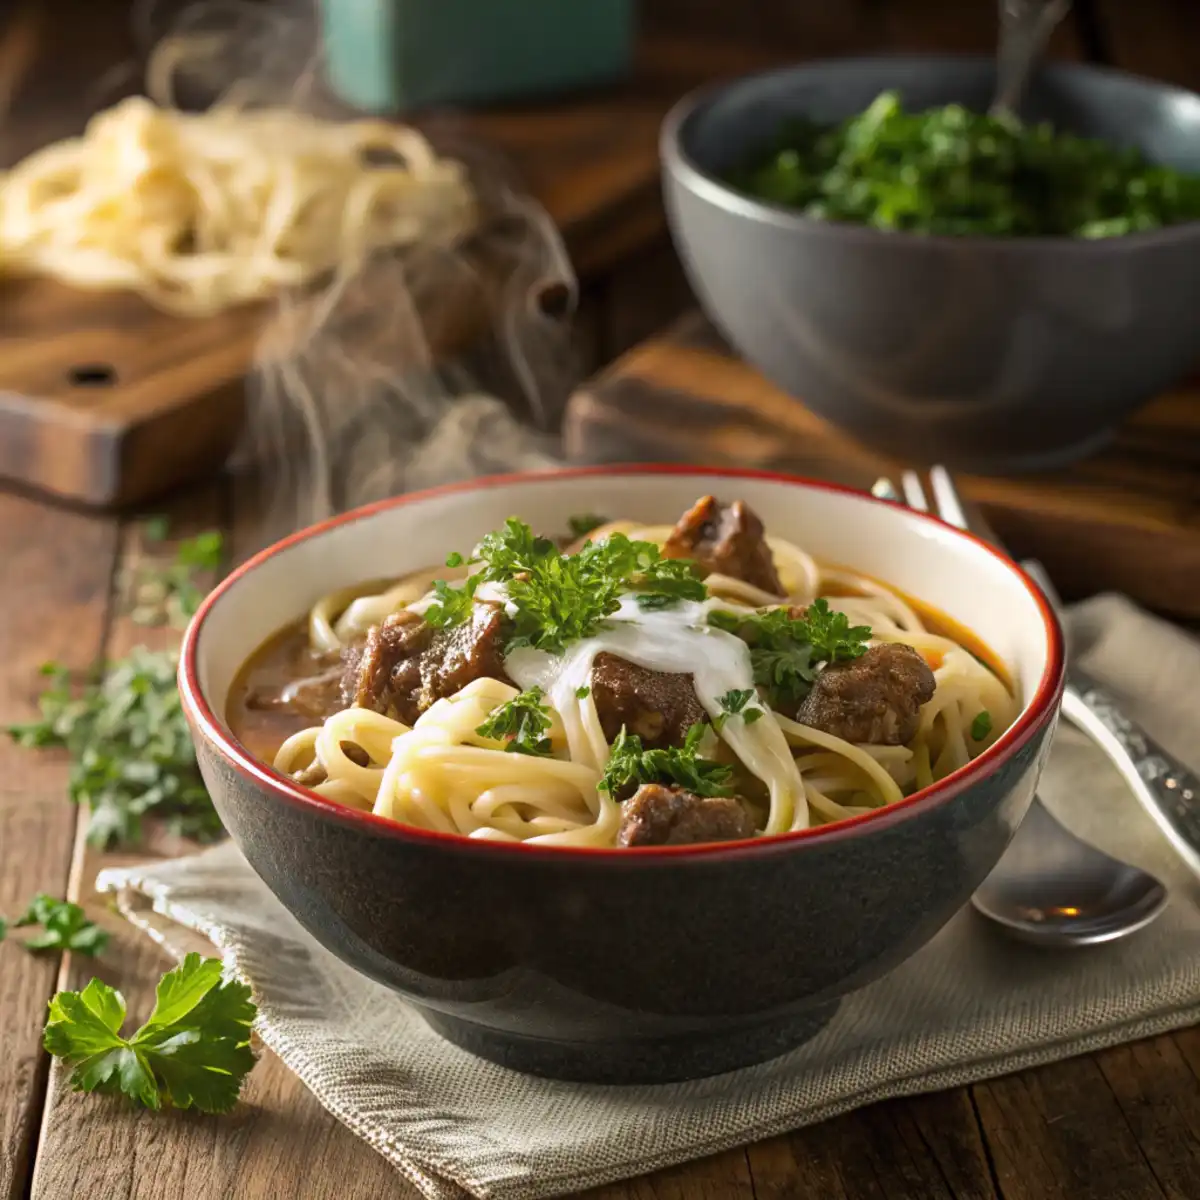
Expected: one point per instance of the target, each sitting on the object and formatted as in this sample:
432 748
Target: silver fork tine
914 491
946 502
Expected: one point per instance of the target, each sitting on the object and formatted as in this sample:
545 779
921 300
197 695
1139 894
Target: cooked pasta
199 212
501 728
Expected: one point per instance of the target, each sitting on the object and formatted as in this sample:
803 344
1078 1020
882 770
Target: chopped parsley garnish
455 559
129 745
737 703
64 927
629 766
561 598
453 604
981 726
193 1052
582 693
522 723
787 652
582 524
948 170
167 593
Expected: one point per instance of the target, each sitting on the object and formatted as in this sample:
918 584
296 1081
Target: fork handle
1168 791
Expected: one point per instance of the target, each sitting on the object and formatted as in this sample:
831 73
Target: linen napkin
969 1006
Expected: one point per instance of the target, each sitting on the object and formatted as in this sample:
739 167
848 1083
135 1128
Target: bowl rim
1039 712
679 163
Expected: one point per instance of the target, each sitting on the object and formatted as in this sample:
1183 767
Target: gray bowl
987 353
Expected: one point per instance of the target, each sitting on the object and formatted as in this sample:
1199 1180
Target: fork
1168 791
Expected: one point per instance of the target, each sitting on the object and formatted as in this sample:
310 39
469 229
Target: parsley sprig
129 745
522 723
560 598
737 703
630 765
193 1052
167 593
64 927
787 652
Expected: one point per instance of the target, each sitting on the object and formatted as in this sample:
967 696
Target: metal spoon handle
1168 791
1025 28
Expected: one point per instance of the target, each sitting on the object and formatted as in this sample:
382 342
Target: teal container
394 55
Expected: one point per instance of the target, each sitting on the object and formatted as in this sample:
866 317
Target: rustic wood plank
1059 1132
57 567
1105 523
1159 38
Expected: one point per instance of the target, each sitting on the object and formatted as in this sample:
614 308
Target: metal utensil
1025 28
1050 888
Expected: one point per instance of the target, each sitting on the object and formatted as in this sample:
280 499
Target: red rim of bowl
1031 720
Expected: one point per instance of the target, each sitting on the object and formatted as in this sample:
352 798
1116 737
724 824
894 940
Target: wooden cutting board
1126 519
105 401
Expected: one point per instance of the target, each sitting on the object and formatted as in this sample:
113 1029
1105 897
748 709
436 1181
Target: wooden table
1123 1123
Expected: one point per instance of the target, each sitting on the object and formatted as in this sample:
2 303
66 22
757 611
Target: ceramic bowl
987 353
626 965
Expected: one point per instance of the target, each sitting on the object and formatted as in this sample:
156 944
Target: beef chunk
670 816
875 698
659 707
405 665
311 775
458 656
385 674
726 540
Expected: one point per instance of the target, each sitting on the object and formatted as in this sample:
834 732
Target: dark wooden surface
1120 1125
1109 522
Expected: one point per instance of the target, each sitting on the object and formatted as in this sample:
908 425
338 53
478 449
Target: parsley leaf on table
194 1051
64 927
630 765
167 593
522 723
130 749
786 652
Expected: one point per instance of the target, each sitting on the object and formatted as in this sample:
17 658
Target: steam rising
406 370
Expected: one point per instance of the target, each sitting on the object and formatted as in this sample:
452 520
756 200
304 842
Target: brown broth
285 657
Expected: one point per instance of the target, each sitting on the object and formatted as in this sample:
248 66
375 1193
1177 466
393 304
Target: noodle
444 774
201 212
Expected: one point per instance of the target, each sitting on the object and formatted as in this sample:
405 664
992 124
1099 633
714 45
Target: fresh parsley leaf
130 749
583 692
560 598
786 652
453 604
581 524
981 726
156 529
455 559
167 593
737 703
193 1052
630 765
522 723
64 927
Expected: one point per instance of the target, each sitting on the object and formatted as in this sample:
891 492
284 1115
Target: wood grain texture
63 562
1107 523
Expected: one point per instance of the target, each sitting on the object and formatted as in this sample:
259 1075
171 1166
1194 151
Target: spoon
1025 28
1049 887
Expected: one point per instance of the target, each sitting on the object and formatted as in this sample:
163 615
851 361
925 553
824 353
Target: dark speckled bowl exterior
985 353
624 966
